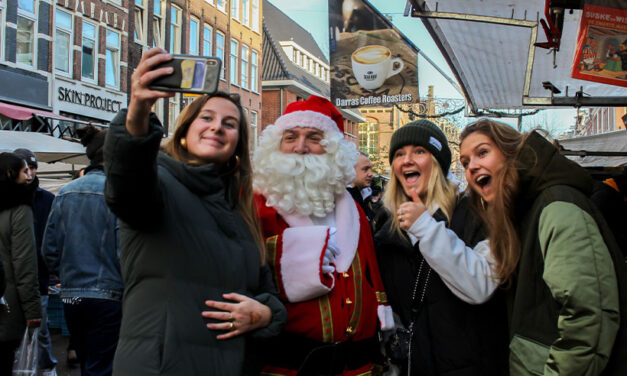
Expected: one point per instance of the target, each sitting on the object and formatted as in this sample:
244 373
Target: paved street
59 346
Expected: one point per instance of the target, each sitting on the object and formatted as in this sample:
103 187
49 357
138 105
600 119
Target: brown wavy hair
499 215
236 173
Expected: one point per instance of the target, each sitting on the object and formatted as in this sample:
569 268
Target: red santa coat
346 306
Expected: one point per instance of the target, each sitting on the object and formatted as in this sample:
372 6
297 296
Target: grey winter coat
181 244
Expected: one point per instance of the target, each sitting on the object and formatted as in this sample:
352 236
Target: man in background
360 187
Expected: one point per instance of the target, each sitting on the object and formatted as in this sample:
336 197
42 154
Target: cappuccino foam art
371 54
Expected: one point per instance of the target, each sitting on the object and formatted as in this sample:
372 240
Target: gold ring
231 325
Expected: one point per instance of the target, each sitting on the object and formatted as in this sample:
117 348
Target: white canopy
47 148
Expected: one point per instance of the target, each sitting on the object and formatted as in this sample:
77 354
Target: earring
183 143
483 203
236 163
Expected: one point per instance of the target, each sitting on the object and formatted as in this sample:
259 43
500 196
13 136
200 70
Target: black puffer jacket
181 244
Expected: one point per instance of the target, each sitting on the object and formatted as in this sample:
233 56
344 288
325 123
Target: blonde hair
441 193
237 174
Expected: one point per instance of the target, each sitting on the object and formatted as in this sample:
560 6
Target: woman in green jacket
19 258
189 238
553 249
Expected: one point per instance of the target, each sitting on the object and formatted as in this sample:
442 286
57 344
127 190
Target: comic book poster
601 53
372 63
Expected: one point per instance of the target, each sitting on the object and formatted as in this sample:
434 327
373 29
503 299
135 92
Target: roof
46 148
284 28
613 142
489 45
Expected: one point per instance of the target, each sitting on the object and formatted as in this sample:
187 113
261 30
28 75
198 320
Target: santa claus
319 246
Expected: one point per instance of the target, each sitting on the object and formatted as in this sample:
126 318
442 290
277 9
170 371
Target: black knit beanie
93 140
426 134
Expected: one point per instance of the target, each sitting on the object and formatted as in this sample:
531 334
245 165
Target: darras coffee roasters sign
88 99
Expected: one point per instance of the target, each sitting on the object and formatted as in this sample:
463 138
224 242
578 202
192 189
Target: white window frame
158 21
70 48
253 120
221 5
95 52
140 27
235 9
115 51
233 61
221 53
246 12
194 49
254 71
207 42
30 16
2 22
209 2
244 67
255 16
175 30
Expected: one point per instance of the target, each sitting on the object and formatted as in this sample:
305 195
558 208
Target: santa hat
315 112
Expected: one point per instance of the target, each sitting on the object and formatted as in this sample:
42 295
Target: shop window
254 66
193 36
175 30
112 56
157 24
246 12
220 52
255 16
244 67
235 9
63 41
89 51
207 41
140 21
233 62
26 26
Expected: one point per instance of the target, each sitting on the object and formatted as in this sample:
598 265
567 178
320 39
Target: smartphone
192 74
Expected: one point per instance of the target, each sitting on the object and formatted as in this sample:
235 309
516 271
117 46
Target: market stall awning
490 46
24 113
591 149
47 148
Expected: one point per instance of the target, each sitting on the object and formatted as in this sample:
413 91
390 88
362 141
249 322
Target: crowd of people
195 256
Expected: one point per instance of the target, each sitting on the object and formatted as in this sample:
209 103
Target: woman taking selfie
19 259
553 250
442 290
189 238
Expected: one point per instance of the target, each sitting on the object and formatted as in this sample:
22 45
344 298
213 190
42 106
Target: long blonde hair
237 173
441 193
498 215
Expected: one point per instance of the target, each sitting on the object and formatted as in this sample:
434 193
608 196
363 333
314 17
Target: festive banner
372 63
601 53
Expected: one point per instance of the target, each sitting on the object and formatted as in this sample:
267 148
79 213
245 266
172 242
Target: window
207 39
140 21
253 71
157 24
193 36
244 68
89 51
175 30
173 111
63 41
112 56
220 51
253 129
25 41
246 12
255 20
235 9
222 5
209 1
1 28
233 65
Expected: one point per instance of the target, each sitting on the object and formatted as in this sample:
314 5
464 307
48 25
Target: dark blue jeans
95 324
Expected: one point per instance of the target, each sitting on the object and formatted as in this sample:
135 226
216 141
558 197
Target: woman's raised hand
142 98
409 211
237 318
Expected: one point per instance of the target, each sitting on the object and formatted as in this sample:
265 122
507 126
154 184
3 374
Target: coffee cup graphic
373 64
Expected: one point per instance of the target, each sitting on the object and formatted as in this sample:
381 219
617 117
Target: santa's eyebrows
306 133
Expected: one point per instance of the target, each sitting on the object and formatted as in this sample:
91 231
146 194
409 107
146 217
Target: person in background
319 245
437 266
81 246
553 250
192 255
42 202
19 258
360 187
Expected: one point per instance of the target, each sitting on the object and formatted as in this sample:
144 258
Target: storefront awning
601 150
24 113
47 148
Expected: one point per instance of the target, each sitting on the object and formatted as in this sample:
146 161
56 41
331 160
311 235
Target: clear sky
312 15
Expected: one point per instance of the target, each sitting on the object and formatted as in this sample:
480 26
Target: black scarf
12 194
